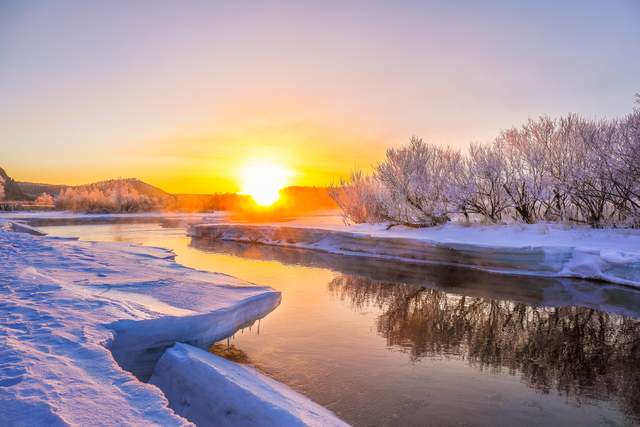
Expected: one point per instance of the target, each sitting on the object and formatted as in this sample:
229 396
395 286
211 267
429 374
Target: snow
53 215
73 314
65 303
611 255
213 391
22 228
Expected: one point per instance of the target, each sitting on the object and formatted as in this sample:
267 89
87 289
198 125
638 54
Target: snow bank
69 215
39 218
64 303
139 344
21 228
611 255
212 391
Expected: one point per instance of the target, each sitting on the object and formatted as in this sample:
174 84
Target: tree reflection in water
580 352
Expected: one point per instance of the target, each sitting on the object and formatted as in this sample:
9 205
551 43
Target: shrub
359 198
112 196
44 199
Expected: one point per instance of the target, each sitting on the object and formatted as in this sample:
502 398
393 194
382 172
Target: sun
263 182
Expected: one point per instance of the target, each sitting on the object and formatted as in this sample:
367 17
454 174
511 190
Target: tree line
568 169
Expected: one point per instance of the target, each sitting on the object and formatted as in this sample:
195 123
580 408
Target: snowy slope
64 303
605 254
213 391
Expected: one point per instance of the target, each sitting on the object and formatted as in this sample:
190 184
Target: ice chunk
212 391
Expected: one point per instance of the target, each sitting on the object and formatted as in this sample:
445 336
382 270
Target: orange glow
211 160
263 182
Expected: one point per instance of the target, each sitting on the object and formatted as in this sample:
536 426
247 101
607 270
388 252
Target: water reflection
385 343
541 291
578 339
578 351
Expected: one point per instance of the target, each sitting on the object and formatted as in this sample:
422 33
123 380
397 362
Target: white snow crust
611 255
65 303
213 391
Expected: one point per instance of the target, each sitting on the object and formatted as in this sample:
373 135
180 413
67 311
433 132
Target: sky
184 94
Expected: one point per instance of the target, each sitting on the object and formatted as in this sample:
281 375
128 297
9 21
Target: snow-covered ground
65 305
70 309
611 255
53 215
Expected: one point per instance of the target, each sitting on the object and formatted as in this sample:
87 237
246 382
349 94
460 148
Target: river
386 344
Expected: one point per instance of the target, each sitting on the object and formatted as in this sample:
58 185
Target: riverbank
80 319
611 255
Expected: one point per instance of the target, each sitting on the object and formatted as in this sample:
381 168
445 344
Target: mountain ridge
9 188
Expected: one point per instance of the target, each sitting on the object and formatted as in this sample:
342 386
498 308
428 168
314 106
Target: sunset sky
184 94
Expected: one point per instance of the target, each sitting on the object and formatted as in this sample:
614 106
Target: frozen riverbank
65 304
611 255
343 317
211 390
39 218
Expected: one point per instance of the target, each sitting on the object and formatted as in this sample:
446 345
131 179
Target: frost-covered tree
44 199
108 196
1 188
589 182
561 158
626 171
419 181
526 180
566 169
359 197
481 182
619 157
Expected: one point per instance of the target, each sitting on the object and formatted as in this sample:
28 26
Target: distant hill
134 195
9 189
115 195
34 189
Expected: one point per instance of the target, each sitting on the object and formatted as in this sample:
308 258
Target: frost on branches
110 196
560 170
44 199
419 183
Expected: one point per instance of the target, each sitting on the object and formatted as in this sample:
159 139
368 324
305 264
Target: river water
385 344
